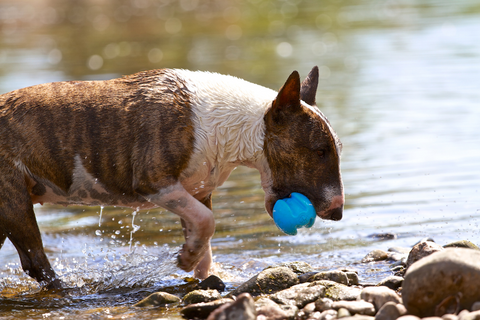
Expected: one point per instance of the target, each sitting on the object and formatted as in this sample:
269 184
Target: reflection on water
399 82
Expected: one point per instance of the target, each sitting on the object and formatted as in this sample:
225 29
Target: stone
304 277
422 250
268 281
462 244
203 309
442 281
243 308
328 315
475 315
323 304
375 255
337 291
299 267
158 299
390 311
343 313
198 296
299 295
378 296
391 282
352 278
408 317
449 316
305 313
269 310
212 282
359 317
334 275
355 307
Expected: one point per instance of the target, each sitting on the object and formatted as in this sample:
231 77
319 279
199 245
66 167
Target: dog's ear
309 87
289 95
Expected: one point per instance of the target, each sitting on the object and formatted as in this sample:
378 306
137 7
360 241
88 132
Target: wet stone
378 296
212 282
375 255
268 281
334 275
203 309
158 299
243 308
299 295
198 296
391 282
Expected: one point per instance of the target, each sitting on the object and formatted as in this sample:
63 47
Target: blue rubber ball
292 213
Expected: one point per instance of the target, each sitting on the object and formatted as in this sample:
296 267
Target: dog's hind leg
18 223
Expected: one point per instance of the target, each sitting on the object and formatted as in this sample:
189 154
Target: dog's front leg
202 269
198 221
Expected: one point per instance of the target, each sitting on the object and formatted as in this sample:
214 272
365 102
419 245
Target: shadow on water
398 81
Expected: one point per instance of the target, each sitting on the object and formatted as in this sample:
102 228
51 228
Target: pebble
343 313
422 250
212 282
198 296
355 307
299 295
390 311
334 275
392 282
443 281
337 291
378 296
462 244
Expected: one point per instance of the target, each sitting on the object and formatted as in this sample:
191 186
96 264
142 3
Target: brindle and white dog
161 138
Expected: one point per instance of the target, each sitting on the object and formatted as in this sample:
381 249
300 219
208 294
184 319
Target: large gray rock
442 279
268 281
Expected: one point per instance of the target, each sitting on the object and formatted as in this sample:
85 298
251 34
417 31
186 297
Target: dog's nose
336 214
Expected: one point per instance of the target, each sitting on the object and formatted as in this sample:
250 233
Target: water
400 83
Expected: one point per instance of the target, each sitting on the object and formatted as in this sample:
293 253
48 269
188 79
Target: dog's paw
189 257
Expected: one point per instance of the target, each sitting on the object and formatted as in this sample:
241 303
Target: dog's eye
321 153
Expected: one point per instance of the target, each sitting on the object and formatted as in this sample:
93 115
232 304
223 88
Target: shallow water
400 83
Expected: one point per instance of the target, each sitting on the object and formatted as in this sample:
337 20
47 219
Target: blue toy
292 213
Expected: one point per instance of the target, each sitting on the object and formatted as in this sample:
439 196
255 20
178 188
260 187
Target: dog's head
302 150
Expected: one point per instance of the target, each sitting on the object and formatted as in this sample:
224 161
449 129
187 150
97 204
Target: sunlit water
400 84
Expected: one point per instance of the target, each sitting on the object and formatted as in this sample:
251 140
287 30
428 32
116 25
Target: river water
399 81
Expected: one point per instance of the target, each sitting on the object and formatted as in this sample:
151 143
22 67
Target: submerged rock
158 299
268 281
442 281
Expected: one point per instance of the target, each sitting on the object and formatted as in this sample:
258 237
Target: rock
465 315
243 308
305 313
268 281
212 282
375 255
299 295
158 299
408 317
198 296
391 311
355 307
444 279
383 236
449 316
343 313
328 315
462 244
304 277
323 304
334 275
299 267
337 291
352 278
359 317
392 282
422 250
203 309
269 310
378 296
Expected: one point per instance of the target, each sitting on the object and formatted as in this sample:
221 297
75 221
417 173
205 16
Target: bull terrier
160 138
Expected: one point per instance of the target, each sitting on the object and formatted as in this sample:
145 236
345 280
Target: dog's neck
229 120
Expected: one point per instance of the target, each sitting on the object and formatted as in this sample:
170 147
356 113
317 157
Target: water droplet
98 232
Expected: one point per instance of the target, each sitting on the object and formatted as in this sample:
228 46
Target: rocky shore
428 281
